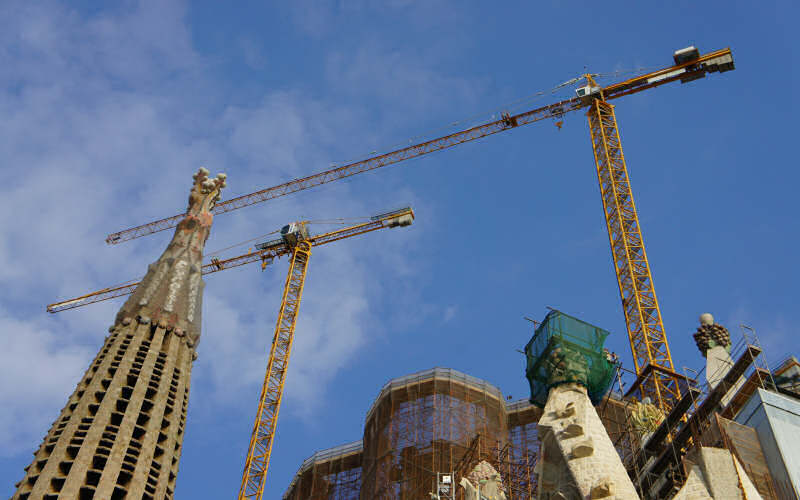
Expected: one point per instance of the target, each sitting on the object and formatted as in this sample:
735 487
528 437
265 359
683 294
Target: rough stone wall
719 363
120 434
554 476
571 426
717 475
694 488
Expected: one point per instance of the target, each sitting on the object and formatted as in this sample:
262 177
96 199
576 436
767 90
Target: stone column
578 458
714 343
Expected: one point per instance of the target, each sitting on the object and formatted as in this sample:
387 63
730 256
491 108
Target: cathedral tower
120 434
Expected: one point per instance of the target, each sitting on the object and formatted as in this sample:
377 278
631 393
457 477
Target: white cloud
37 367
450 313
404 81
104 123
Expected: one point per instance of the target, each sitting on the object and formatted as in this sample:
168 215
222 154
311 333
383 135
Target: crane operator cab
294 233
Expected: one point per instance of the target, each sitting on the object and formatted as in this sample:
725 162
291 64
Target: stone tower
714 343
120 434
570 371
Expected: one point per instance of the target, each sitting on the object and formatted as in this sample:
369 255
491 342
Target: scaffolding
566 350
332 474
432 421
442 420
517 461
742 441
655 461
422 424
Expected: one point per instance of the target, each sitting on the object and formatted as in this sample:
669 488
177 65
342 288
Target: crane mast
260 448
642 315
261 440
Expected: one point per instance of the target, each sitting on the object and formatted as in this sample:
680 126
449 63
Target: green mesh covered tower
569 372
565 349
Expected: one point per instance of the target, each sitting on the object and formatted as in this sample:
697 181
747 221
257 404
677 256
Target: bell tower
120 434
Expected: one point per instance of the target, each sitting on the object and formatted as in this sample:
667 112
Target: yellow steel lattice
258 454
643 317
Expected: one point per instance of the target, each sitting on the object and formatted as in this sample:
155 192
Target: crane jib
720 60
266 254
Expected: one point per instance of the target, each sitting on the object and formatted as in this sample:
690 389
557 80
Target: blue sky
107 112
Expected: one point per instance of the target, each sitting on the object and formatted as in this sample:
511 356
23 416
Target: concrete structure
577 458
714 473
120 434
776 419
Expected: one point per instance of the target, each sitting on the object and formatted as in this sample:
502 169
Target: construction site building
444 421
775 417
438 420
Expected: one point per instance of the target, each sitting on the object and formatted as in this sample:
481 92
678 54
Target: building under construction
438 420
442 421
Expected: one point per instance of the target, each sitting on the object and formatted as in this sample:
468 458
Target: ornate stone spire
171 293
710 335
120 434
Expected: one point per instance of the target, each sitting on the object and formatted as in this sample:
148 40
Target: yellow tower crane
656 377
295 241
296 238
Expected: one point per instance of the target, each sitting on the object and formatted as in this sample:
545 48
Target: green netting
565 349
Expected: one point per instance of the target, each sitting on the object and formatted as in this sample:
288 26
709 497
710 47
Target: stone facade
694 488
120 434
578 459
714 473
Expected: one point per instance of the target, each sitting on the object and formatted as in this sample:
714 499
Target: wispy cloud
411 82
105 119
449 313
37 368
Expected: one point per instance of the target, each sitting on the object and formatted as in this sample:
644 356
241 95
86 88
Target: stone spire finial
205 192
171 293
710 334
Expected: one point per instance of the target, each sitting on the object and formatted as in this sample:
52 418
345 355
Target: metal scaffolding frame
424 423
656 462
332 474
433 421
443 420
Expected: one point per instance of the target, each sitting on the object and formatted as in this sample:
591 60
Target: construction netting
564 350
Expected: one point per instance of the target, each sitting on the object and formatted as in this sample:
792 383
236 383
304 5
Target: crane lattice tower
120 434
